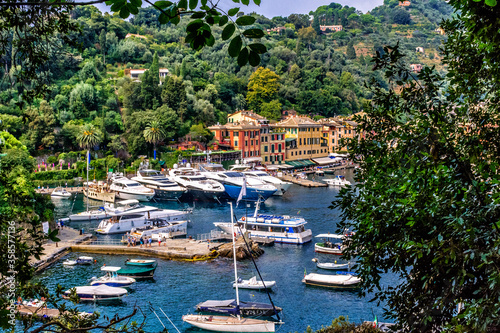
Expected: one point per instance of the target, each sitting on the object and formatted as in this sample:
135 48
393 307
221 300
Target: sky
271 8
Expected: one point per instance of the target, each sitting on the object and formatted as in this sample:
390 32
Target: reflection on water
178 286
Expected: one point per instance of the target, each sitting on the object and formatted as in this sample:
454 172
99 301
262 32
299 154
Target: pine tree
155 69
351 52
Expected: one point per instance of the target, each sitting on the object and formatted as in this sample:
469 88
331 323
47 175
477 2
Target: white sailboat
230 323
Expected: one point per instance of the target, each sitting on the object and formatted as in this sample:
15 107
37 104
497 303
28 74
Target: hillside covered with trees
319 73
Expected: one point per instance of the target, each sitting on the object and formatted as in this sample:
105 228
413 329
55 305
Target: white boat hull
333 281
137 196
123 226
89 216
229 324
335 249
246 284
332 266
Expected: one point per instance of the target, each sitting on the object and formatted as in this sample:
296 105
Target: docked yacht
60 193
198 186
158 228
137 218
280 228
233 183
99 191
130 189
280 185
164 188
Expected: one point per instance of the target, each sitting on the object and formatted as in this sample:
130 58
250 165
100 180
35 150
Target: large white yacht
130 189
282 186
233 183
138 217
198 186
164 188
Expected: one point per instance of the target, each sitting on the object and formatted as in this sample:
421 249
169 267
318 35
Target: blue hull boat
253 194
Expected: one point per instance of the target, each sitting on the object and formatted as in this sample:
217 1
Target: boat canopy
330 236
110 268
211 303
326 160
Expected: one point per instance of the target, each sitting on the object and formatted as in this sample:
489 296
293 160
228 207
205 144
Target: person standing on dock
150 239
140 242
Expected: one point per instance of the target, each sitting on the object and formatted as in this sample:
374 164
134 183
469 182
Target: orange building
244 136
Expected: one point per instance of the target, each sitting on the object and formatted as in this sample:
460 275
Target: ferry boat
164 187
137 218
280 228
99 191
130 189
233 183
198 186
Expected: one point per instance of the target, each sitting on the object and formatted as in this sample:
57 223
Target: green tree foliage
351 52
426 205
271 110
155 69
154 134
41 123
83 99
150 92
401 16
174 95
263 87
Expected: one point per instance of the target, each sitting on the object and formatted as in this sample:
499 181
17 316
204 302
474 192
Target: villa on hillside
332 28
135 35
135 74
404 3
416 68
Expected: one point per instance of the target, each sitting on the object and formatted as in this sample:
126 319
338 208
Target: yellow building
303 140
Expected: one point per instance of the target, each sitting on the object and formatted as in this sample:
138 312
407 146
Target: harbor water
178 286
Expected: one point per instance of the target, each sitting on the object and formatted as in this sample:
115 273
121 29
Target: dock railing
212 235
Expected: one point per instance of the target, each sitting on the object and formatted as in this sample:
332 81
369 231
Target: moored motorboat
198 186
112 279
281 186
165 188
140 262
130 189
158 227
97 293
70 262
142 272
338 181
332 244
90 215
84 260
333 281
60 193
228 307
332 265
253 283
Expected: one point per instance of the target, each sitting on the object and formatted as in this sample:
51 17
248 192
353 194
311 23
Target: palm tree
88 137
154 134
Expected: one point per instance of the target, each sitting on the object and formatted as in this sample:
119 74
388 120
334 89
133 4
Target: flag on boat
243 191
305 272
375 322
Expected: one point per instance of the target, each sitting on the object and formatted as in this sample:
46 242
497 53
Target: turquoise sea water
179 286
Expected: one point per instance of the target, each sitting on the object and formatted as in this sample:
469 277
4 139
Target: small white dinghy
69 262
333 281
332 265
254 284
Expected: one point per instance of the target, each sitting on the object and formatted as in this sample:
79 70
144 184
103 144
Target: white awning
326 160
284 166
271 167
338 155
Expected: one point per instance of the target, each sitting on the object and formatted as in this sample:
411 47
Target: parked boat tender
60 193
253 283
111 278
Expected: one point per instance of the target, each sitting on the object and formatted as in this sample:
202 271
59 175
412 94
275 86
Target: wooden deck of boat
302 182
37 311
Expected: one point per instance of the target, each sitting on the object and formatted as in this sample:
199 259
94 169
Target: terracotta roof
297 122
243 125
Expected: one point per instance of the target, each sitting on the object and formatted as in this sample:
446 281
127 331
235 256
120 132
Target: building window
251 142
300 153
256 142
291 153
333 140
272 148
349 131
246 143
300 141
265 158
235 133
279 148
251 153
236 143
246 133
265 149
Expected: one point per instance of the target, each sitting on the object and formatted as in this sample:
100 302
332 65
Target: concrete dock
302 182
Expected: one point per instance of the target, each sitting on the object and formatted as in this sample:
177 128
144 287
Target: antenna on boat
234 259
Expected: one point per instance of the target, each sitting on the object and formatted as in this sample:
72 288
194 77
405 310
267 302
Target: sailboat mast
234 258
